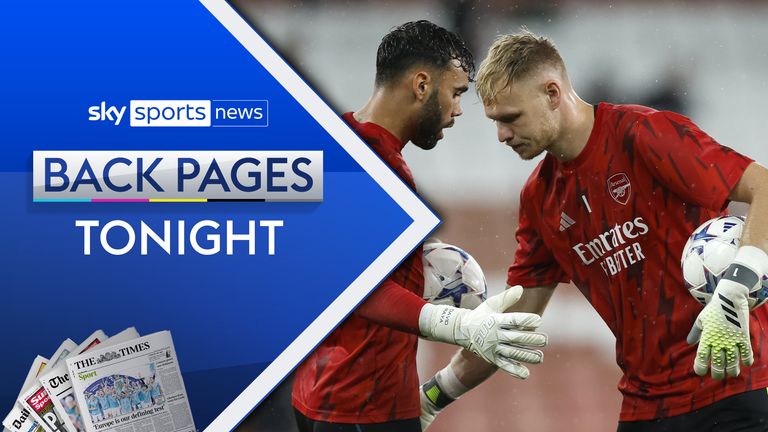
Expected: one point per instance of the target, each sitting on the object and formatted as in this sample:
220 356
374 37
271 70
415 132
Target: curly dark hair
420 42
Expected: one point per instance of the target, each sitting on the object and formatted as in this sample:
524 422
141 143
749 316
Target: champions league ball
708 253
452 277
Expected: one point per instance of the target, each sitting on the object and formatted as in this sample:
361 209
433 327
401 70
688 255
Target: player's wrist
443 388
753 258
435 395
438 322
745 272
449 383
729 288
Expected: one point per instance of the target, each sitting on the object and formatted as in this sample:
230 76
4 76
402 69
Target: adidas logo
565 221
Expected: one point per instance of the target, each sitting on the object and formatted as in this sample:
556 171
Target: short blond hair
512 57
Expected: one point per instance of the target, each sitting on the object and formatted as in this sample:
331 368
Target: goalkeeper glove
437 393
722 328
502 339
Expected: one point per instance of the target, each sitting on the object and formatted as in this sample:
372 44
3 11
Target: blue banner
236 275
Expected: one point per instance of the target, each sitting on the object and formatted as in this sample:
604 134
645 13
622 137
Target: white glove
502 339
722 328
722 331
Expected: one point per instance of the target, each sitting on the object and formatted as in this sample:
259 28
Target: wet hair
420 43
513 57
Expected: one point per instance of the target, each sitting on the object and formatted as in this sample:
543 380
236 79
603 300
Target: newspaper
62 352
20 420
39 404
59 387
144 377
35 371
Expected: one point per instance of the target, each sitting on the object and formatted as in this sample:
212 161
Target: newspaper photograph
62 352
140 379
20 419
56 382
39 403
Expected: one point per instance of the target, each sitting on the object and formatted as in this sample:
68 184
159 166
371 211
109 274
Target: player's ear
554 93
420 84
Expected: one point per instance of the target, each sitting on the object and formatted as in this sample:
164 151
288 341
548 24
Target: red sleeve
393 306
534 264
687 160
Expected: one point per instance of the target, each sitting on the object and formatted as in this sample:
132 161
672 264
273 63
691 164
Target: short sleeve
687 161
534 264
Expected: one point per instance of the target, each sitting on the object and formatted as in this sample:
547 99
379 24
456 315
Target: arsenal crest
619 188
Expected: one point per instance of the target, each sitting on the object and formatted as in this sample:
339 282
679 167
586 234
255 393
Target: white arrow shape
424 220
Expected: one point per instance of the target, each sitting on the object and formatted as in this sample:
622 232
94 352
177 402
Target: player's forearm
753 190
756 225
534 300
470 370
393 306
724 323
754 239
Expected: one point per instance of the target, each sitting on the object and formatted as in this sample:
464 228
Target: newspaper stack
123 383
36 398
58 386
132 386
20 418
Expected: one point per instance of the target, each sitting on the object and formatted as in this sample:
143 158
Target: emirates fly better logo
619 188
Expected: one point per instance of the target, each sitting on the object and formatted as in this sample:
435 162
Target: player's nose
457 111
504 133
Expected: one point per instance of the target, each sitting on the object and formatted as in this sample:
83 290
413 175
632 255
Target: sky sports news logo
184 113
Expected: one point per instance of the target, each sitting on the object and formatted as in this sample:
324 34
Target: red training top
614 221
365 371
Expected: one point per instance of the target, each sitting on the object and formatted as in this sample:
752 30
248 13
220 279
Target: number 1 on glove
722 328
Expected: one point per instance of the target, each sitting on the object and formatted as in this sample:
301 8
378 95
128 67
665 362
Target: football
452 277
708 253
